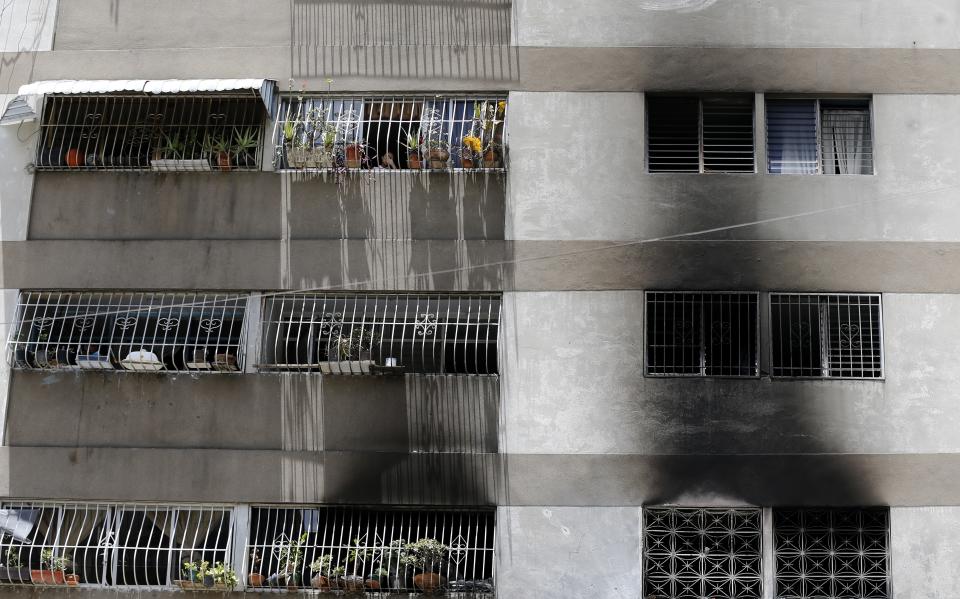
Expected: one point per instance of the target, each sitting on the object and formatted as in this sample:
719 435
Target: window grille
694 553
356 549
808 137
697 135
151 132
702 334
391 132
831 553
827 335
100 544
132 331
381 333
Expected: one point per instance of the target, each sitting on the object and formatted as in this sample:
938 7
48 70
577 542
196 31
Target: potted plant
219 149
350 353
354 155
52 569
289 554
437 153
413 151
255 578
320 572
244 146
12 570
193 574
173 150
471 152
425 557
221 577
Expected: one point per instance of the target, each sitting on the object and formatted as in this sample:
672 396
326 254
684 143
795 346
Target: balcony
167 125
401 133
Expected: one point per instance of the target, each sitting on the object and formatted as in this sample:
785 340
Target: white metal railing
220 132
373 550
702 334
114 545
829 335
361 333
339 133
130 331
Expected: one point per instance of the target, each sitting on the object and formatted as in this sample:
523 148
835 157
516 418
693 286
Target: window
109 545
341 333
397 132
831 553
827 335
356 549
702 334
699 135
131 331
806 137
152 132
694 552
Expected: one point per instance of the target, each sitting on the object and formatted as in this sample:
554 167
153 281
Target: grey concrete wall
251 206
255 412
749 23
578 171
925 552
574 384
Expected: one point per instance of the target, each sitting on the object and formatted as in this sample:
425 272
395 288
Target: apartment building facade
489 299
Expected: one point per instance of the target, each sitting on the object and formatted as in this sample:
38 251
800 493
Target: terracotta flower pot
438 158
490 159
47 577
255 579
428 582
223 161
467 162
320 582
75 158
413 160
72 580
353 156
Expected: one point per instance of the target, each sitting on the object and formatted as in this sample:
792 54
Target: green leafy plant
338 571
321 565
360 339
54 563
245 141
424 555
195 570
290 552
12 557
171 147
289 130
222 575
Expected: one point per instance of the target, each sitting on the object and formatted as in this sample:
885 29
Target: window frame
757 354
701 170
824 334
818 99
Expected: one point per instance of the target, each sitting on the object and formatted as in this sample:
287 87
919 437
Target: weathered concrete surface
598 188
548 552
251 206
575 384
747 23
925 551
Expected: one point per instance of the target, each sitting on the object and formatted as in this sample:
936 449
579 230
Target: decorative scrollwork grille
110 545
827 335
131 331
832 553
696 553
702 334
386 133
341 333
358 549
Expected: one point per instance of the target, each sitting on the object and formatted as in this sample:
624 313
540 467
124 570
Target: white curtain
845 134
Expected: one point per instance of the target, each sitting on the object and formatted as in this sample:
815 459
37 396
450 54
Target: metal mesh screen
381 333
827 335
357 549
392 132
702 334
831 553
695 135
131 331
99 544
693 553
152 132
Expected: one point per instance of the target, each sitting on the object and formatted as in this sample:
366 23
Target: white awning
25 106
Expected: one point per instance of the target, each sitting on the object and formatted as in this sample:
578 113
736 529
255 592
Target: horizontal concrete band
478 479
906 267
419 68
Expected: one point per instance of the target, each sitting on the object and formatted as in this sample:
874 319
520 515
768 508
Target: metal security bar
454 23
698 135
114 545
131 331
391 132
426 551
809 136
702 334
832 553
693 552
136 132
381 333
827 335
